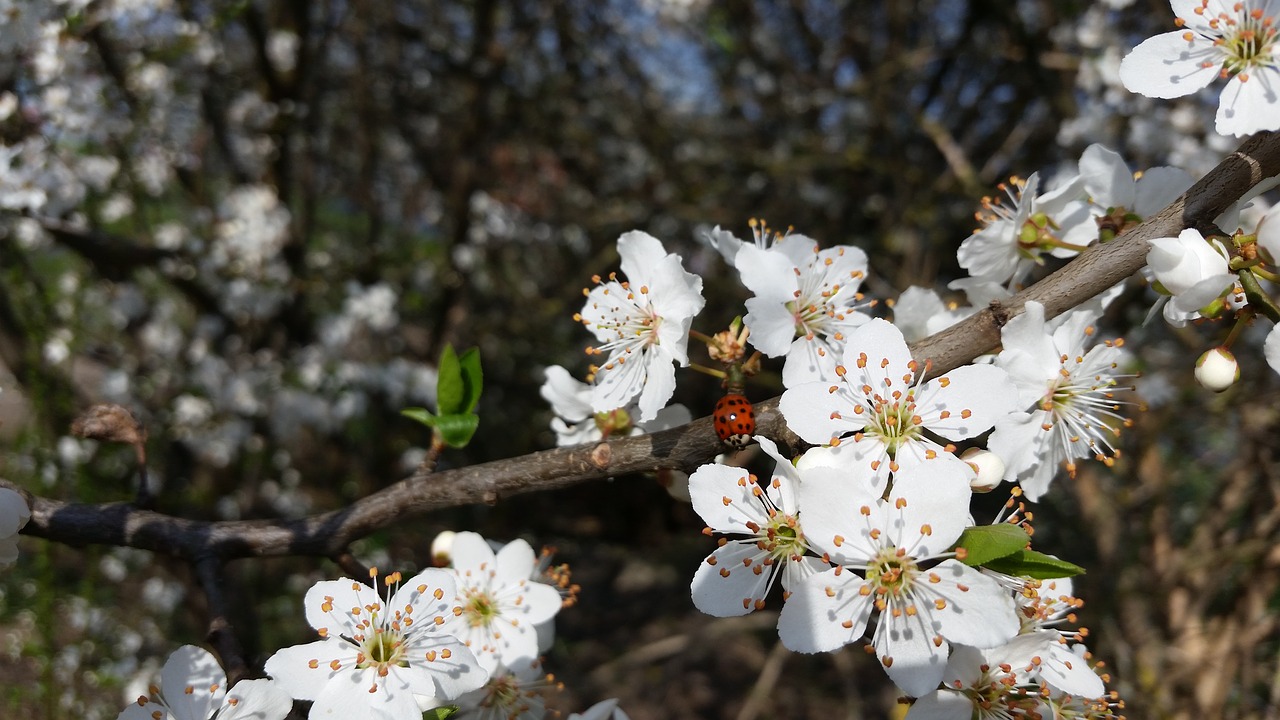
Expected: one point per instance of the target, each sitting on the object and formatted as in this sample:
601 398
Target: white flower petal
569 398
812 620
830 507
641 254
773 326
1069 673
1106 177
347 697
1168 66
730 580
192 683
291 667
255 700
659 386
769 274
980 615
973 398
1250 106
807 409
722 496
942 705
907 648
929 506
1158 187
14 512
811 358
471 554
1271 348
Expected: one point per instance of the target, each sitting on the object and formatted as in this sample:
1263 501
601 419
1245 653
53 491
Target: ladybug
734 420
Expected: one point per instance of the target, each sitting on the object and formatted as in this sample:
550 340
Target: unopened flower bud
988 469
1217 369
442 549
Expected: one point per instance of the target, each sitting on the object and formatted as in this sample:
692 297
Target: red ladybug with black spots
734 420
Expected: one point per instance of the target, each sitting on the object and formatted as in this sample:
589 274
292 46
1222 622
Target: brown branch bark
1102 266
684 448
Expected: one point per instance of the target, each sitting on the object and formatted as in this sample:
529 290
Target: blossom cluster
469 636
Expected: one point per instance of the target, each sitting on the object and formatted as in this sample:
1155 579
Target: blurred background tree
257 224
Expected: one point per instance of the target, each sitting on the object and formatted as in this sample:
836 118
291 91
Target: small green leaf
1029 563
456 430
472 379
985 543
422 415
440 713
450 389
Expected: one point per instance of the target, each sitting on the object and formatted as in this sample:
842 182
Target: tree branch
683 448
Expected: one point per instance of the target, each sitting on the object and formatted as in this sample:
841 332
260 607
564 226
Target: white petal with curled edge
641 254
769 274
569 397
773 326
659 385
1106 176
516 561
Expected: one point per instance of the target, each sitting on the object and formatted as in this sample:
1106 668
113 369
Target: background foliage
258 223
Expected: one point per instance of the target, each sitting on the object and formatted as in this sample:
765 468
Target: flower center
892 572
1248 36
383 649
895 420
480 608
782 537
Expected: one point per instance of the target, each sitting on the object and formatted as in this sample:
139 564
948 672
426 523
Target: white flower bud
1217 369
988 469
442 549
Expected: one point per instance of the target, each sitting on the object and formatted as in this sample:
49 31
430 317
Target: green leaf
1029 563
422 415
472 379
450 389
440 713
456 430
985 543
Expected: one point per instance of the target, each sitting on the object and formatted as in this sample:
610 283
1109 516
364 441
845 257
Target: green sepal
440 713
985 543
1032 564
